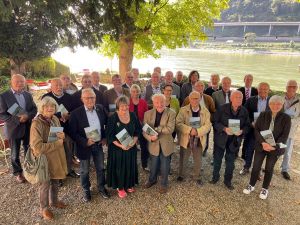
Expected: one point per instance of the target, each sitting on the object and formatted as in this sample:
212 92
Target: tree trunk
17 67
125 55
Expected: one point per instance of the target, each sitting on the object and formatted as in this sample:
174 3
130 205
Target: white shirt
93 119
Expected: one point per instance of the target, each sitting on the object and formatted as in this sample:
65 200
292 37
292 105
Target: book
268 136
149 130
112 107
62 109
234 125
15 110
52 133
255 116
195 122
92 133
124 138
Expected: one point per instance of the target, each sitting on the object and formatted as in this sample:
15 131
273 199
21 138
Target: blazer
183 127
219 98
102 88
186 89
220 121
110 96
13 128
254 92
148 95
77 98
282 126
78 121
164 130
251 106
209 90
142 108
208 101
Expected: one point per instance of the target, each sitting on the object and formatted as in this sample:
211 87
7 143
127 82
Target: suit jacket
148 95
78 121
208 101
13 128
164 130
220 121
243 90
76 98
251 106
282 126
183 127
219 98
102 88
209 90
186 89
110 96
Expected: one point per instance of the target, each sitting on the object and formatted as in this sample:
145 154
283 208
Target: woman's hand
60 135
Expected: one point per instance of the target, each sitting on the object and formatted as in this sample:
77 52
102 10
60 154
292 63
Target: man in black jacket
248 90
89 143
228 137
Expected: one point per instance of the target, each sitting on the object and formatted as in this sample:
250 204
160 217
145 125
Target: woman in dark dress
122 171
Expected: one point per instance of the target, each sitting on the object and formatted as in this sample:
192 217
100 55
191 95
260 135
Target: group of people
95 116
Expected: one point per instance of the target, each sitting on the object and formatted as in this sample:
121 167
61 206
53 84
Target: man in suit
178 78
112 94
128 80
188 87
248 90
254 105
222 96
153 88
96 82
161 146
169 80
17 126
226 139
93 116
214 84
86 82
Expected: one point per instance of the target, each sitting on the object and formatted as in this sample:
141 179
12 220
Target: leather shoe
59 205
214 181
179 179
20 178
104 193
163 190
47 214
286 175
149 185
73 174
60 183
87 197
229 186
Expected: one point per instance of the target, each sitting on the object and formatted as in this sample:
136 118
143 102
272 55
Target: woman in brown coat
54 152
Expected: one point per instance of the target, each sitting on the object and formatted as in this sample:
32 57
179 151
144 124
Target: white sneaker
248 189
263 193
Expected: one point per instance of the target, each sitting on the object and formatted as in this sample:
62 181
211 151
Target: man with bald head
226 139
292 108
17 126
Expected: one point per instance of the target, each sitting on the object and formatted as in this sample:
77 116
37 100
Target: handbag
35 169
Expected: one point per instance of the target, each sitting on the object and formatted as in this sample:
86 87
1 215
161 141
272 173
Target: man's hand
90 142
228 131
239 133
104 141
267 147
60 135
194 132
23 118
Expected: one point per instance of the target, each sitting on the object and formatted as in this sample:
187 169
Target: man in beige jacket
192 125
161 146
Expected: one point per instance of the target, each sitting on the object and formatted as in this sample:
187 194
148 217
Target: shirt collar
87 110
15 92
153 87
260 99
57 96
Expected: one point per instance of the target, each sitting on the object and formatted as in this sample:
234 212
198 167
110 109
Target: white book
234 125
62 109
15 110
124 138
268 136
112 107
92 133
255 116
149 130
195 122
52 133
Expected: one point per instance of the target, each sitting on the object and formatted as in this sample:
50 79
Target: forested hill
261 11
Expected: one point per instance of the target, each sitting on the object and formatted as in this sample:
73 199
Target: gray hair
236 92
136 87
276 98
89 90
122 99
161 96
45 102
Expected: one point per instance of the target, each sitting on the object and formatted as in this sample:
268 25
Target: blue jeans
98 157
285 166
248 145
15 145
160 164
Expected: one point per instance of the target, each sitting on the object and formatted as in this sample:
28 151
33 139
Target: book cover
268 136
112 107
15 110
62 109
149 130
52 133
92 133
234 125
124 138
195 122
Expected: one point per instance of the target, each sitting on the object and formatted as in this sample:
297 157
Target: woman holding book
139 107
54 152
123 129
271 132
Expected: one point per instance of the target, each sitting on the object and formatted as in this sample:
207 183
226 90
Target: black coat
76 98
282 126
220 121
254 92
251 106
78 121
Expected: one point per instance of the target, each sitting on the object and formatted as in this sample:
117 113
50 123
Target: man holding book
87 130
230 122
17 120
192 125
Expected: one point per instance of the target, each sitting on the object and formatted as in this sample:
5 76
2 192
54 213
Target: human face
117 81
157 70
18 83
248 81
86 82
48 110
275 107
194 78
236 99
134 93
263 91
214 80
291 89
123 108
179 76
66 81
88 99
168 91
159 104
129 79
169 77
199 87
95 79
155 79
135 73
194 100
57 87
226 84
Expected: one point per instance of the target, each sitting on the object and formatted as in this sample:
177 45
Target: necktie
247 93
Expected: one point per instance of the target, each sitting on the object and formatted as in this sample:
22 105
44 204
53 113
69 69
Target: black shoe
214 181
73 174
87 197
104 193
60 183
286 175
149 185
179 179
199 182
229 186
